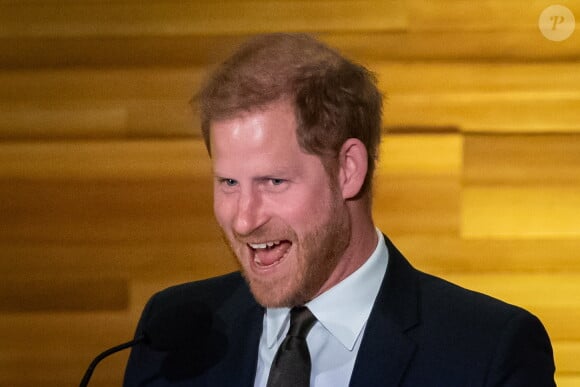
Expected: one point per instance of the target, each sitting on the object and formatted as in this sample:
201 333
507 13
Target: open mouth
269 253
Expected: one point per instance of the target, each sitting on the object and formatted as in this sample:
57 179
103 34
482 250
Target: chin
274 294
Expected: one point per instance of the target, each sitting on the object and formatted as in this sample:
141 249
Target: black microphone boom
101 356
174 327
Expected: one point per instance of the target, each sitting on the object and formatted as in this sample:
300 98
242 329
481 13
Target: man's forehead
284 103
274 119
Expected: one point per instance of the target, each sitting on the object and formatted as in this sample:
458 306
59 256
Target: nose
250 213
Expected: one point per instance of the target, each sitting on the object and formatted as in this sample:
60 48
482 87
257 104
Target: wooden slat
484 97
421 205
423 154
55 349
99 85
464 15
412 162
478 78
162 18
57 294
99 225
136 199
566 357
449 44
98 103
412 168
81 161
568 380
448 253
532 159
66 122
107 51
364 46
170 33
129 259
520 212
488 112
70 329
114 119
171 18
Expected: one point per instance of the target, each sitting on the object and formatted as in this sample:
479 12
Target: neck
363 241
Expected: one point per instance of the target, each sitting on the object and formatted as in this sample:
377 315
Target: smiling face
283 216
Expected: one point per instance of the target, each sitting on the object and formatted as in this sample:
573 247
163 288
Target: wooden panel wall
104 181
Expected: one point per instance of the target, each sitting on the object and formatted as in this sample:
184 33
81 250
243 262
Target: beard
320 252
316 254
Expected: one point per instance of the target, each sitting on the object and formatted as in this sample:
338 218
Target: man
293 130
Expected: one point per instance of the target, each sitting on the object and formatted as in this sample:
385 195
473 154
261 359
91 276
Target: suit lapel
243 337
386 351
245 348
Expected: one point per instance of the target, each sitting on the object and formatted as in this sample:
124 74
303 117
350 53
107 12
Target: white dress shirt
342 313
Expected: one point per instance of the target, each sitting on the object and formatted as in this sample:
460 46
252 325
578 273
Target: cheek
305 209
221 210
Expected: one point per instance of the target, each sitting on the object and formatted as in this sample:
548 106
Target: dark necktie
291 366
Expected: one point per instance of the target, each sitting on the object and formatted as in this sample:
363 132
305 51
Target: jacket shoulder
463 337
211 291
440 296
197 359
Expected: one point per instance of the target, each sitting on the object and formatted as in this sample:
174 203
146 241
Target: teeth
263 245
258 245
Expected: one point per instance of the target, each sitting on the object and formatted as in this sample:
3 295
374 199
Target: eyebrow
280 173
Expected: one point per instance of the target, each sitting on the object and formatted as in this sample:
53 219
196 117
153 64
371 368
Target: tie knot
301 321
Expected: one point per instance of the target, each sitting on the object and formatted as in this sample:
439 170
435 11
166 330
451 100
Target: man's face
283 217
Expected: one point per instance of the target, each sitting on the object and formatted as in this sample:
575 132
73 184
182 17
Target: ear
353 167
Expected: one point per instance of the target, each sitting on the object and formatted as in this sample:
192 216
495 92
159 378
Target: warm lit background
104 182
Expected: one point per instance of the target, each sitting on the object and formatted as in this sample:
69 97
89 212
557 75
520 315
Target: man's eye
277 181
229 182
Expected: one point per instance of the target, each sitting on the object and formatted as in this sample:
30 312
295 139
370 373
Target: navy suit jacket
422 332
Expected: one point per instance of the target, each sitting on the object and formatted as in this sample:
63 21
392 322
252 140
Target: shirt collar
343 309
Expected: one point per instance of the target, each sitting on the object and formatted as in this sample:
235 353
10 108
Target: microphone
110 351
172 328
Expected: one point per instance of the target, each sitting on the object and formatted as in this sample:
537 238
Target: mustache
265 234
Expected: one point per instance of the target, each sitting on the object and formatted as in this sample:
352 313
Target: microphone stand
110 351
